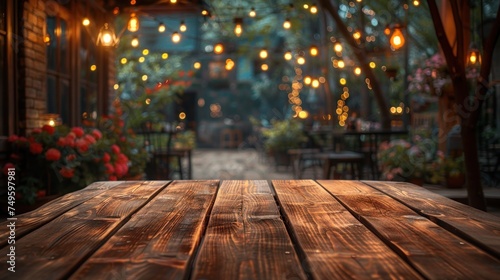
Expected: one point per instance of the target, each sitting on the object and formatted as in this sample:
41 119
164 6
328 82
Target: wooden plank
57 248
476 226
246 237
333 242
30 221
432 250
159 240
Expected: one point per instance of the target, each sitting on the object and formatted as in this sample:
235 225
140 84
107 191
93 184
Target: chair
164 162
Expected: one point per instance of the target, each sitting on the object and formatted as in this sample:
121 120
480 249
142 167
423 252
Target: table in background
214 229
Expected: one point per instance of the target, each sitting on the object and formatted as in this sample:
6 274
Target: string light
263 54
183 27
161 27
218 48
313 50
287 24
252 12
337 47
86 21
238 28
133 23
134 42
176 37
313 9
288 55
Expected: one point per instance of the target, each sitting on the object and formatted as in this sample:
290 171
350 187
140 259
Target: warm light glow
147 101
123 60
204 13
229 64
197 65
161 27
176 37
307 80
182 115
252 12
287 24
357 71
218 48
288 55
301 60
46 39
372 65
397 39
52 123
337 47
264 67
164 55
135 42
133 23
173 1
93 67
263 54
313 51
356 35
473 57
182 27
116 86
86 21
145 51
303 114
144 77
106 36
238 28
315 83
305 6
416 3
141 59
341 64
313 9
342 81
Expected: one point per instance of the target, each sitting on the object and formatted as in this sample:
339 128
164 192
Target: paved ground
248 164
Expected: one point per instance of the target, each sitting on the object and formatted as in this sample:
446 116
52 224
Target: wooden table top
282 229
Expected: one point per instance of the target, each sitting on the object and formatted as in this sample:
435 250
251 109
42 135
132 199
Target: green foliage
283 135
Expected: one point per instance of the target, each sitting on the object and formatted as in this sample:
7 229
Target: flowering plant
406 160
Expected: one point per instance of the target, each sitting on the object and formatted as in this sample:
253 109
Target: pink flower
67 172
121 158
82 145
7 166
97 134
52 154
78 131
49 129
109 168
36 148
89 138
115 149
61 142
121 169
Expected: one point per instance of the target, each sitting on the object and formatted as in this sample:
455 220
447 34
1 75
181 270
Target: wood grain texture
246 237
58 247
334 243
30 221
476 226
159 240
433 251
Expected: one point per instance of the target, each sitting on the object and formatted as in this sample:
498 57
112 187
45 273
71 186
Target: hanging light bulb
337 47
313 9
301 60
263 54
238 28
161 27
357 71
86 21
218 48
133 23
176 37
307 80
183 27
288 55
473 56
313 50
47 39
397 39
135 42
252 12
287 24
106 36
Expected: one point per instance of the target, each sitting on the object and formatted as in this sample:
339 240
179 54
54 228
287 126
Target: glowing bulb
197 65
164 55
264 67
313 51
315 83
337 47
86 21
161 27
341 64
218 48
313 9
145 51
183 27
263 53
397 39
238 29
252 12
307 80
133 23
288 55
123 60
144 77
287 24
176 37
372 65
357 71
135 42
301 60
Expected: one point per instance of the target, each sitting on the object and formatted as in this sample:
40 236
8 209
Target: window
58 69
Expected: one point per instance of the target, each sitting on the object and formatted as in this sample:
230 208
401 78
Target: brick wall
33 61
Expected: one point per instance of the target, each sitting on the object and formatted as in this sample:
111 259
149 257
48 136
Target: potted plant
282 136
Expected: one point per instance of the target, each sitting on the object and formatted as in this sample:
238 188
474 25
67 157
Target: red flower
13 138
97 134
70 141
70 157
78 131
67 172
49 129
89 138
120 169
115 149
41 193
106 158
121 158
7 166
109 168
112 178
82 145
36 148
53 154
61 142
